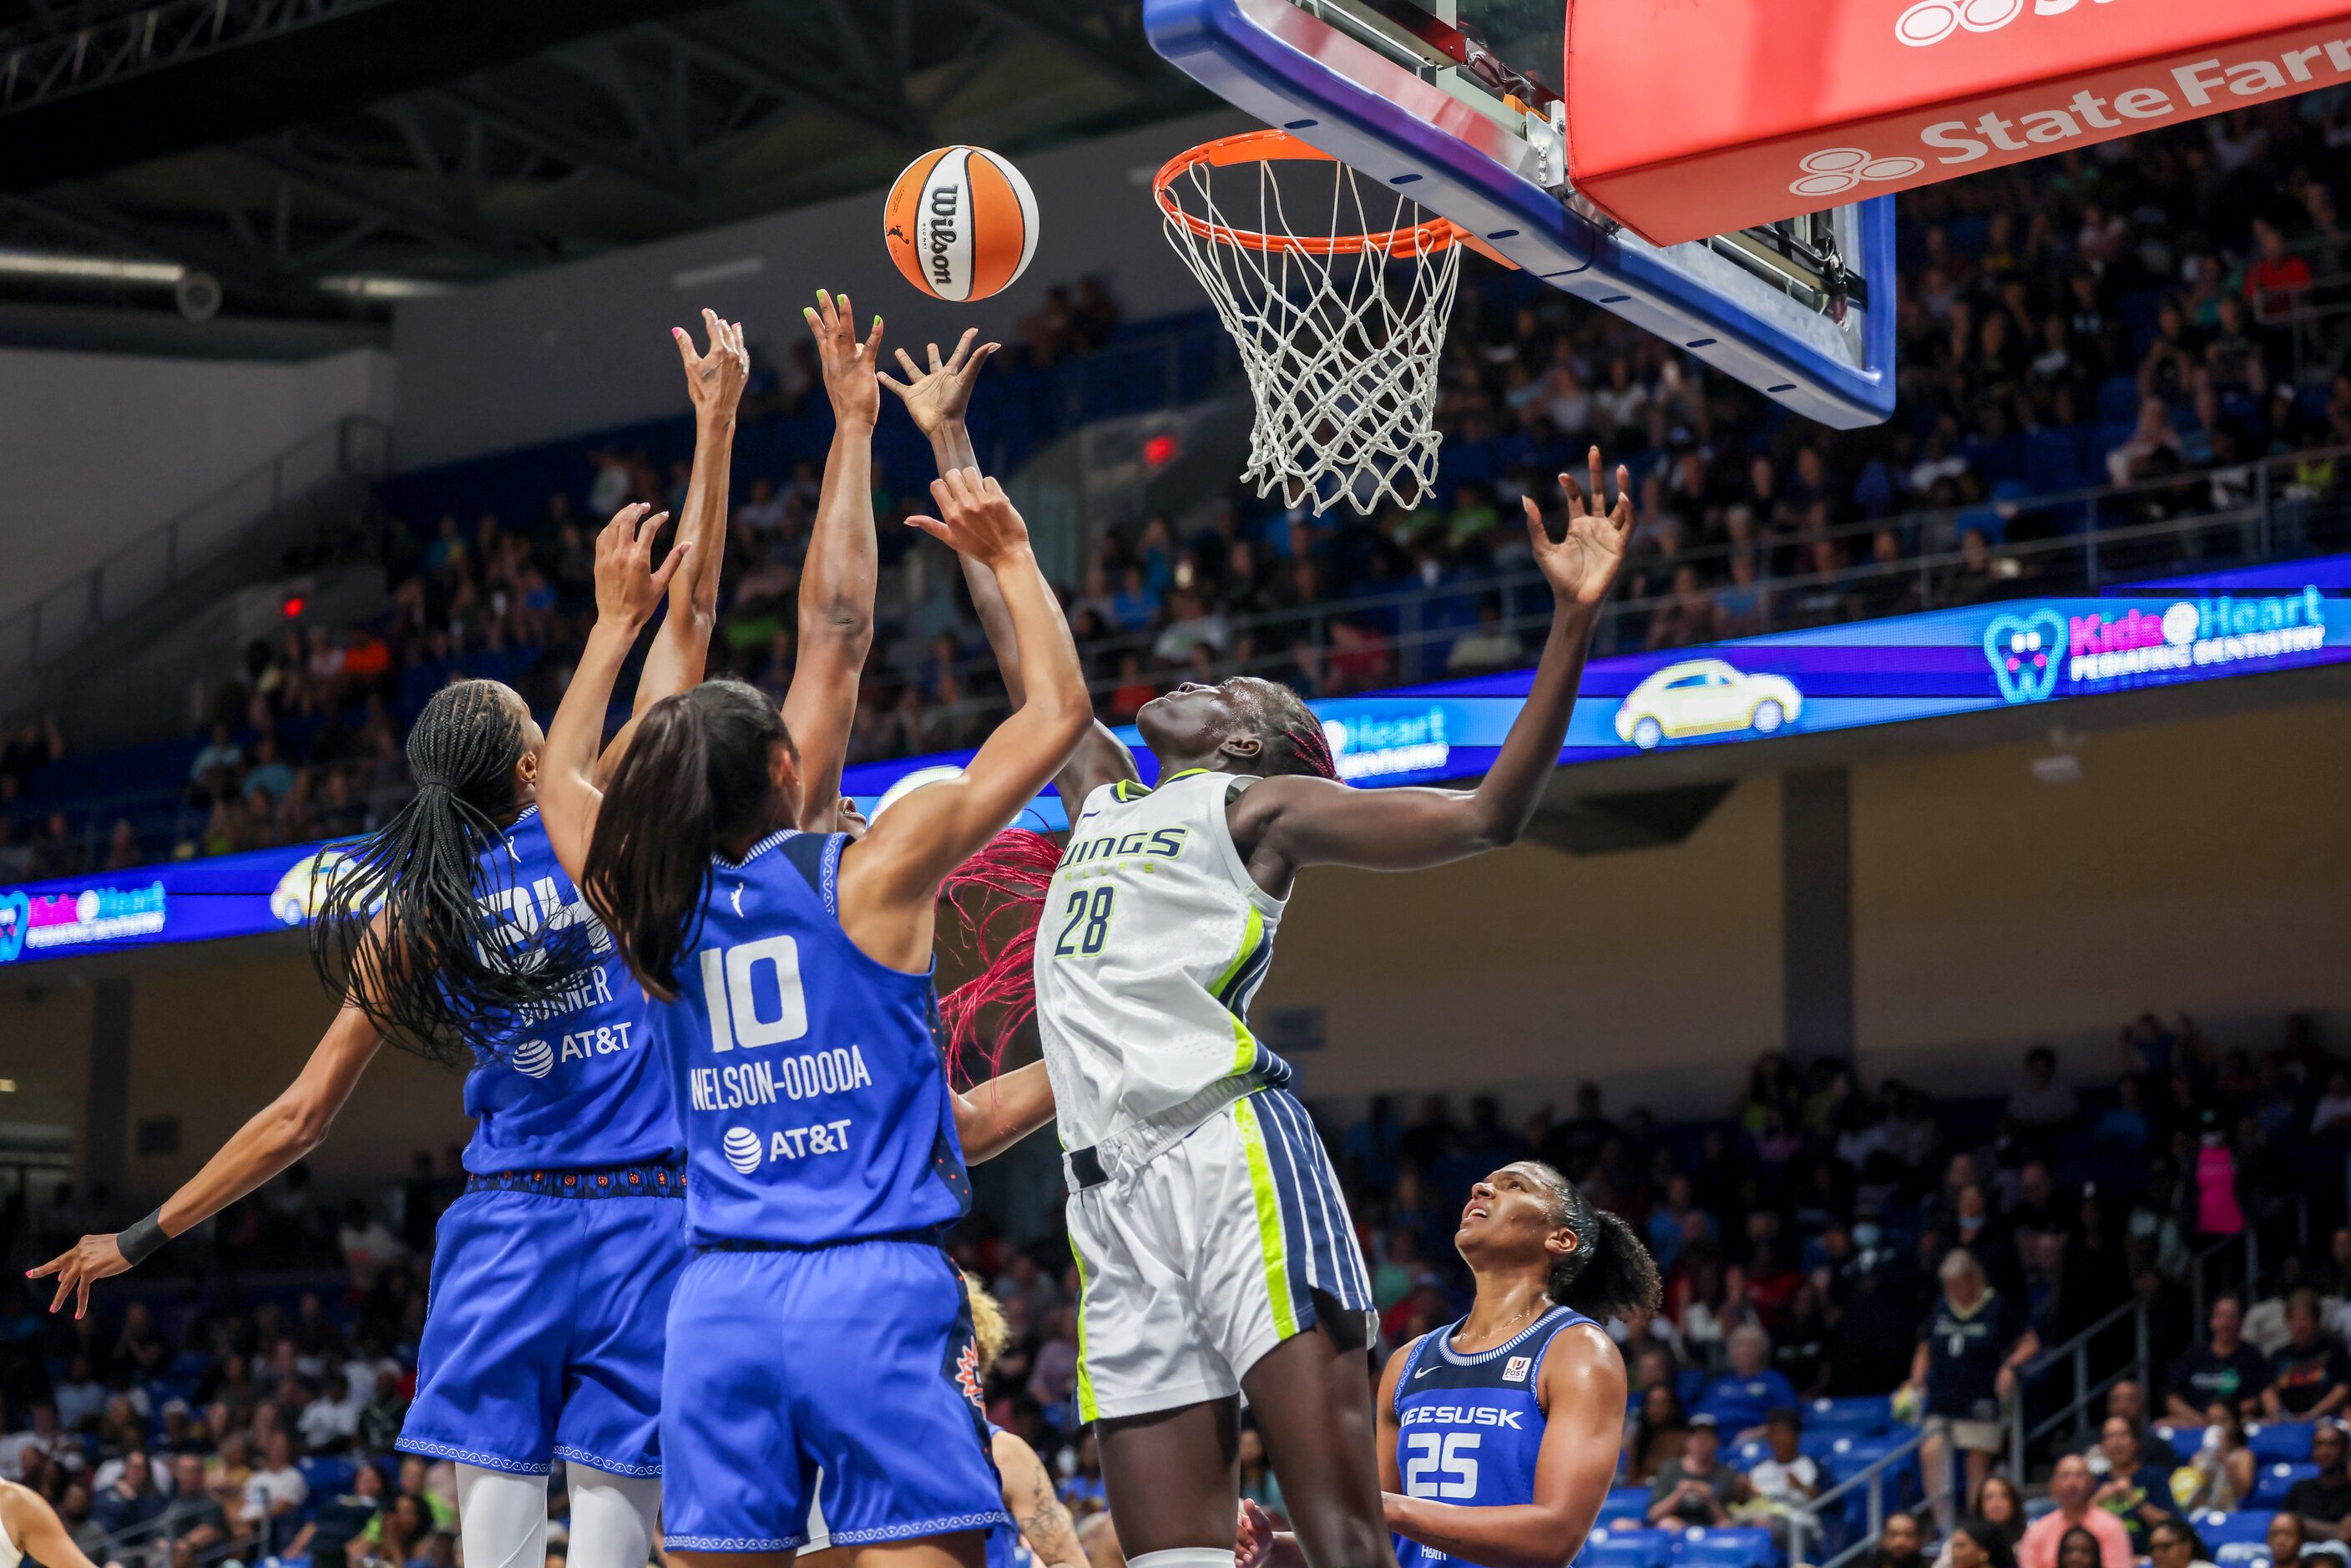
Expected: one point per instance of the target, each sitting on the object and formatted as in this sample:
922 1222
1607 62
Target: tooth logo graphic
1833 170
741 1147
534 1058
2022 651
16 917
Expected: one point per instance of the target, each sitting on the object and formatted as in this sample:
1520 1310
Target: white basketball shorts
1199 1261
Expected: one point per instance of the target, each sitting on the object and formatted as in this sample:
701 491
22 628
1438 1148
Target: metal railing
2202 1266
172 552
2074 1355
1812 1524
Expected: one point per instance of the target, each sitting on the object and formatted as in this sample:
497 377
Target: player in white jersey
1214 1248
30 1529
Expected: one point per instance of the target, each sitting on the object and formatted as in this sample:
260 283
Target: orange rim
1271 146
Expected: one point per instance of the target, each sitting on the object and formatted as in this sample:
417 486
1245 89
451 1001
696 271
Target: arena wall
101 448
564 350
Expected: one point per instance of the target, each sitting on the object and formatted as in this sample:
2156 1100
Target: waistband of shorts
1131 1148
928 1236
652 1180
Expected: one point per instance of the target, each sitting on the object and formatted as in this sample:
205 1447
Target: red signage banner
1691 117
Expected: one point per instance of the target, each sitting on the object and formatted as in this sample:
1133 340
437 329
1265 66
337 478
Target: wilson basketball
961 222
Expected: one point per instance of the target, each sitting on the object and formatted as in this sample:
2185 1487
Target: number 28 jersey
806 1074
1470 1427
1154 940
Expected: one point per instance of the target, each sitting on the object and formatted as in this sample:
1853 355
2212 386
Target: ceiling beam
545 133
82 222
455 231
775 80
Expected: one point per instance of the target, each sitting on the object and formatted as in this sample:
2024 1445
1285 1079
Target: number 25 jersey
806 1074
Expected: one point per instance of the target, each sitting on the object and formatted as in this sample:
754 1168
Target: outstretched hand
714 381
976 518
628 585
80 1266
848 363
1253 1536
938 396
1582 567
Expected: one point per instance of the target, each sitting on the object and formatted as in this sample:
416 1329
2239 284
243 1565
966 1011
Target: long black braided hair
429 934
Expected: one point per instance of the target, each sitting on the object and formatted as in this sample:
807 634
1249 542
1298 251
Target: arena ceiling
319 157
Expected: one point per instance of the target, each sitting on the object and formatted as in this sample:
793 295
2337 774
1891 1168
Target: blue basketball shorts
543 1331
855 1362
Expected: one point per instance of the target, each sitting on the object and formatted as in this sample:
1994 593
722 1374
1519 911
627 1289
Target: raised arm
1583 1420
628 588
889 878
1287 822
680 649
938 399
836 605
35 1527
286 1130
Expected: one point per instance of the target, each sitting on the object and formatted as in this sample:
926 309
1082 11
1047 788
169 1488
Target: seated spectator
131 1500
198 1520
2309 1377
2070 1486
1659 1433
339 1522
1698 1488
270 773
2322 1501
276 1492
2220 1473
2127 1400
1975 1545
2224 1369
2286 1539
1790 1477
1900 1544
2134 1491
2173 1543
2041 1103
1965 1370
214 770
1740 1398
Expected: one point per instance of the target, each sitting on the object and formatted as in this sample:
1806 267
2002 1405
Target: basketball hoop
1339 331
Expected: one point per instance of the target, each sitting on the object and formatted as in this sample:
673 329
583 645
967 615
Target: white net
1340 328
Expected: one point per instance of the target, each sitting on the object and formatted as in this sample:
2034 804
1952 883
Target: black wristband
141 1240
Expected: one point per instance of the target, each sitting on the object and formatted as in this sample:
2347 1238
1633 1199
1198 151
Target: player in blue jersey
794 976
453 933
1498 1434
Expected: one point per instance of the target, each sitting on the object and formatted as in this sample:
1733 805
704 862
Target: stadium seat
2242 1554
1731 1546
1625 1505
326 1477
2243 1527
2274 1440
1626 1549
1863 1415
1744 1457
2271 1481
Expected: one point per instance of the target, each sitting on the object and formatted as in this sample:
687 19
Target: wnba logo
741 1147
1834 170
534 1058
1932 21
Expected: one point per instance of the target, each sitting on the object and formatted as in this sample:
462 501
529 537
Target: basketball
961 222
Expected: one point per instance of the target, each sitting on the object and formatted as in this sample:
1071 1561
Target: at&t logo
741 1147
534 1058
1931 21
1834 170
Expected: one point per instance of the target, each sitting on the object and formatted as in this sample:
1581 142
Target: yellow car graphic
296 898
1705 696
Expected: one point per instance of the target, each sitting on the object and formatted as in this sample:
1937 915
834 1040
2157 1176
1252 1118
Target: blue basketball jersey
580 1083
806 1075
1471 1426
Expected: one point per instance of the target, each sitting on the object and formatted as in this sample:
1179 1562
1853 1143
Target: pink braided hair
1005 881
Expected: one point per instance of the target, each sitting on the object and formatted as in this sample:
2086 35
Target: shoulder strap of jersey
1413 1353
1562 1317
817 857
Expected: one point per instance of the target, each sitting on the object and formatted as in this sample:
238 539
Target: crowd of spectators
2138 296
1821 1238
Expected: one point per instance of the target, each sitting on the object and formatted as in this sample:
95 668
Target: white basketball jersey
1154 940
